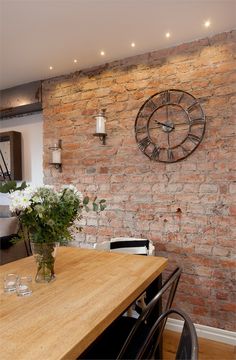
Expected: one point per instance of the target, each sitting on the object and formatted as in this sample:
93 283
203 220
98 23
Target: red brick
221 295
232 210
229 307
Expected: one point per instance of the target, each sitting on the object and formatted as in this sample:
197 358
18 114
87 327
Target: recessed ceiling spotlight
50 67
167 34
207 23
132 44
102 53
75 61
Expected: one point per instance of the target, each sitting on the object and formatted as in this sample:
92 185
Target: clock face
169 126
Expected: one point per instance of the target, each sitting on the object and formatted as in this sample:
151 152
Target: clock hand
182 123
160 123
153 127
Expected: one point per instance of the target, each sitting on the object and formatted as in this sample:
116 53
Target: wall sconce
56 156
100 126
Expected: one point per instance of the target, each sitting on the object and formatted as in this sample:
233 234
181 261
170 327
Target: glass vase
44 254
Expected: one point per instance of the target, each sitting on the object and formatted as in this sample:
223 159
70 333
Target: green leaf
22 186
10 186
95 207
102 201
86 200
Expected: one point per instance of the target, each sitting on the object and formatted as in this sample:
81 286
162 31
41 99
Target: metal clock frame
168 126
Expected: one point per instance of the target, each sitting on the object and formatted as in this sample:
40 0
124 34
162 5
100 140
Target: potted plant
49 215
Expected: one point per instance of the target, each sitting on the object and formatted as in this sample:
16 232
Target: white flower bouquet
48 214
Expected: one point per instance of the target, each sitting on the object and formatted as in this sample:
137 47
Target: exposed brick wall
187 208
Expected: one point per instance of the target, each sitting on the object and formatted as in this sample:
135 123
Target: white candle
100 125
56 156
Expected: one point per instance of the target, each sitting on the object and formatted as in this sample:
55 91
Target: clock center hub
168 126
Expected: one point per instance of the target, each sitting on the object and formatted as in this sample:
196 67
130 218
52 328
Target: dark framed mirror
10 156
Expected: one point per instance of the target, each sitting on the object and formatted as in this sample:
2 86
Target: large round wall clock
169 126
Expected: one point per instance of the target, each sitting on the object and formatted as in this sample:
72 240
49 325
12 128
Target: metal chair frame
188 344
148 317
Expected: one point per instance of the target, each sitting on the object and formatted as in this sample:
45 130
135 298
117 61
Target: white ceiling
38 33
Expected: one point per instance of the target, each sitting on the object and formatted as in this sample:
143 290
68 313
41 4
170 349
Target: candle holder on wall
56 156
100 126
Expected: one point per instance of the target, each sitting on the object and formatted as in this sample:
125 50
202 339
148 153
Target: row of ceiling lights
168 35
102 53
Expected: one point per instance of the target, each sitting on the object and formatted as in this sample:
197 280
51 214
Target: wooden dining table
62 318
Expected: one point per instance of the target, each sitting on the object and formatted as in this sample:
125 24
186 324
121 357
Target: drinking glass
10 281
23 286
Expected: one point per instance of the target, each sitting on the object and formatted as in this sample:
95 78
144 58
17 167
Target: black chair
124 337
188 343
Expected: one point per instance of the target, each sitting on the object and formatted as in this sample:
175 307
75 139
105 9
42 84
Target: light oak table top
61 319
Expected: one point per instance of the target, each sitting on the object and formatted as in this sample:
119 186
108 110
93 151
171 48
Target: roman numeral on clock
180 98
143 144
194 138
151 104
155 154
141 129
185 151
191 107
166 97
170 155
197 121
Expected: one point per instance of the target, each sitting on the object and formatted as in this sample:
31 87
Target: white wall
31 128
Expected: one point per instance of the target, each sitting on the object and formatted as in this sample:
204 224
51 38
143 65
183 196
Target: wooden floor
208 350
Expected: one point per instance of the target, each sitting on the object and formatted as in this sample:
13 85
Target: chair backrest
132 245
149 316
188 343
105 245
127 245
